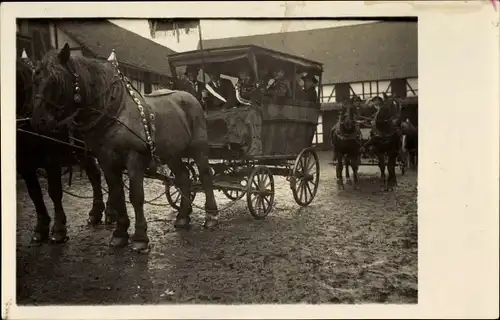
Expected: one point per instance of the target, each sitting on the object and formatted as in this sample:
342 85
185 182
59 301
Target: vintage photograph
216 161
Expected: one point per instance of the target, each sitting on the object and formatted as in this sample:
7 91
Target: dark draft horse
409 142
35 151
345 138
112 118
385 139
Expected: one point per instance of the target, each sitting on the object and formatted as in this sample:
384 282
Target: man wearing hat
195 87
279 85
309 91
221 92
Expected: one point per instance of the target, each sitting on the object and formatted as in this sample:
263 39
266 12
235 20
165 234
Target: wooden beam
408 84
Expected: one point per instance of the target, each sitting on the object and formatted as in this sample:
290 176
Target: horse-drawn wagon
262 137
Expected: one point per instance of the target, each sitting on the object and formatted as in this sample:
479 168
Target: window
156 86
412 87
138 85
328 93
318 134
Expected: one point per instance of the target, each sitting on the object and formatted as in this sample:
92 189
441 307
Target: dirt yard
347 247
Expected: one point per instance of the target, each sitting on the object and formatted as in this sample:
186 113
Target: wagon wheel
173 193
234 194
305 177
260 192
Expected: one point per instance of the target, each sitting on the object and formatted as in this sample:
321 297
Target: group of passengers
220 93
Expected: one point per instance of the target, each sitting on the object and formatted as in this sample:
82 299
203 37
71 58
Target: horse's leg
201 158
136 168
381 165
41 231
116 199
340 166
94 175
183 182
58 231
391 168
347 165
355 167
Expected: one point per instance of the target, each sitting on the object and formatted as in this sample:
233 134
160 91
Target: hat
193 68
310 77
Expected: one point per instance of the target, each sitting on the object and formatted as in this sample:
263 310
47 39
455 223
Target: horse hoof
182 223
349 181
139 246
39 238
58 238
93 221
109 220
357 188
210 223
118 242
97 209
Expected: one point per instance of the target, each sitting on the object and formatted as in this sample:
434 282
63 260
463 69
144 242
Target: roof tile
364 52
102 36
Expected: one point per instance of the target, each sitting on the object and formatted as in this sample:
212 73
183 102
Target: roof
363 52
100 37
220 54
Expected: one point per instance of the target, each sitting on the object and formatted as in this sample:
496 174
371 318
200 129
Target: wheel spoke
254 201
312 164
310 191
268 202
259 180
301 187
306 165
255 186
264 181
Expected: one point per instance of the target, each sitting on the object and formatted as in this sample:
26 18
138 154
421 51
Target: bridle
70 120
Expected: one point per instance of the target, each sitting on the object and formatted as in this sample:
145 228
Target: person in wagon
279 86
221 92
195 87
245 87
309 92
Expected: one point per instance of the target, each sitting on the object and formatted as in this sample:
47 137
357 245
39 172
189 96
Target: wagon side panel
287 128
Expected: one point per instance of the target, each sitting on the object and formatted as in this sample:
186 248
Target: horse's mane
95 76
23 83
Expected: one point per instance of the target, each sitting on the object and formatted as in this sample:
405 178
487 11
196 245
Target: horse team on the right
392 136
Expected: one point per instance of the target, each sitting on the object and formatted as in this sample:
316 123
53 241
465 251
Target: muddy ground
347 247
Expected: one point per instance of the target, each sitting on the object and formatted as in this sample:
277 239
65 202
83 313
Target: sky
216 29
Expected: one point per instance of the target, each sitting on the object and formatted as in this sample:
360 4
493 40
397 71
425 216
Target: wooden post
201 51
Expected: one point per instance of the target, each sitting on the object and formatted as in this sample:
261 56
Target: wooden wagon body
285 128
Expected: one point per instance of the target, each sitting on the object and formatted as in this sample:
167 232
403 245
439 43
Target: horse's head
387 115
348 115
64 85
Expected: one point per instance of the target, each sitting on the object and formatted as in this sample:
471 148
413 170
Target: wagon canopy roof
228 54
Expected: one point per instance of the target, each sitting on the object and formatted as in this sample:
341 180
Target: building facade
143 61
365 59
